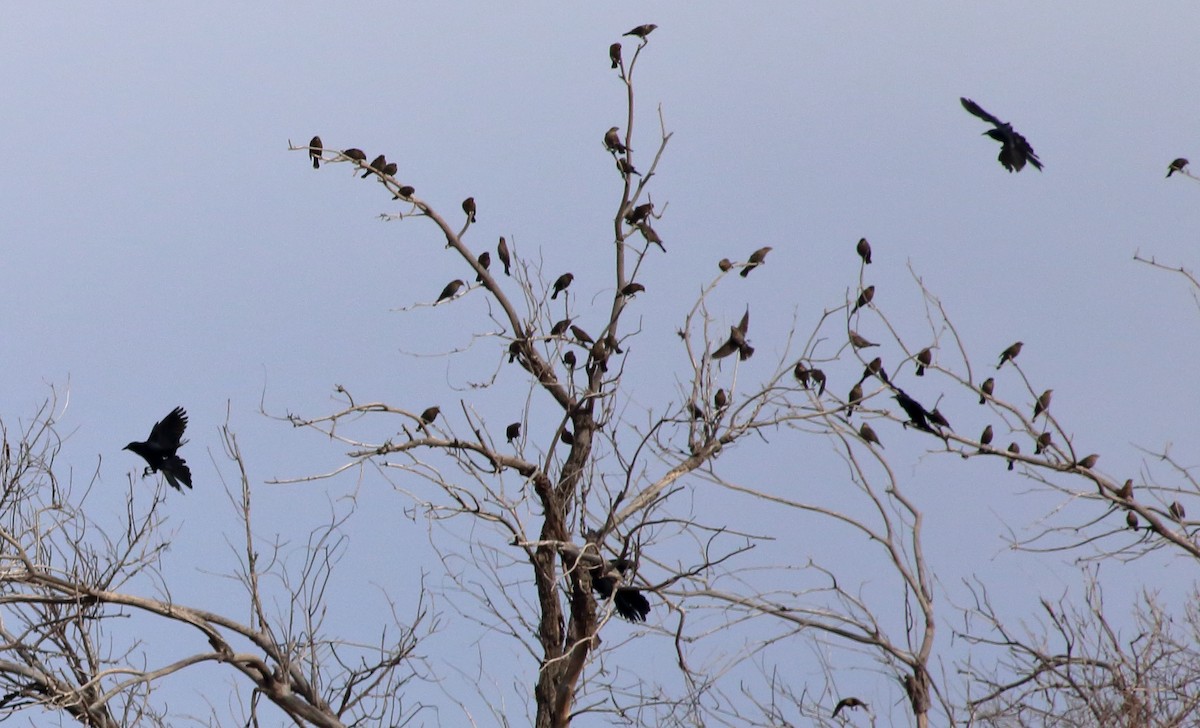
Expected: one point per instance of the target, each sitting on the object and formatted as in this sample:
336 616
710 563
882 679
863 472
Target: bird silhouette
159 449
513 431
860 342
356 154
847 703
924 359
614 54
642 31
468 206
868 433
1176 166
485 262
502 253
1010 354
756 259
1015 151
1043 403
451 288
429 415
612 141
561 284
314 150
864 251
376 166
918 416
629 601
986 389
867 295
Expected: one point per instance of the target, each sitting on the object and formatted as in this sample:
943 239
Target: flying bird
485 262
924 359
451 288
614 54
867 295
1176 166
377 164
1015 151
502 253
756 259
159 449
612 141
847 703
1010 354
629 601
642 30
314 150
986 389
468 206
561 284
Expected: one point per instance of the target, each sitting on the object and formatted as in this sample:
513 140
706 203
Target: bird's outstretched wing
168 432
977 110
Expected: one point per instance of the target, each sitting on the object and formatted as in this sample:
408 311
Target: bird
985 438
818 376
924 359
642 30
724 264
1010 354
1131 520
561 284
1177 511
159 449
356 154
1126 490
569 359
1015 449
986 389
560 327
450 289
626 168
847 703
869 435
855 397
1015 151
468 206
314 150
651 235
1043 442
428 415
694 409
502 253
581 335
875 369
567 437
403 191
377 164
867 295
864 251
736 341
513 431
1089 462
756 259
918 416
939 419
859 342
614 54
629 601
612 141
630 289
390 169
801 373
1176 165
639 213
720 399
485 262
1043 403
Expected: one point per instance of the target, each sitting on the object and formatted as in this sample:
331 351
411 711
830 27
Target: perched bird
985 438
869 435
428 415
404 191
1177 511
724 264
924 359
376 166
629 601
159 449
451 288
612 141
859 342
390 169
918 416
513 431
939 419
567 437
356 154
314 150
468 206
1089 462
986 389
1015 449
630 289
639 213
1043 442
847 703
801 373
1010 354
651 235
514 350
581 335
626 168
694 409
855 397
1015 151
560 327
614 54
561 284
864 251
818 376
1043 403
867 295
1176 166
1131 520
1126 490
502 253
756 259
720 399
642 30
569 359
485 262
874 368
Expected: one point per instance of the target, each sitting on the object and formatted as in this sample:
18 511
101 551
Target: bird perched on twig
1010 354
924 359
485 262
159 449
429 415
561 284
614 54
612 141
376 166
867 295
357 155
513 431
1176 165
451 288
986 389
860 342
468 206
756 259
502 253
642 31
1015 150
918 416
314 151
1043 403
868 434
864 251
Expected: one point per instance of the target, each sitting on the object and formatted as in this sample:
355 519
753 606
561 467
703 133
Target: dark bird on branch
614 54
847 703
376 166
720 399
513 431
1131 520
429 415
874 368
314 150
756 259
985 439
485 262
567 437
1010 354
818 376
468 206
502 253
390 169
560 327
1176 166
924 359
629 601
1015 449
868 434
356 154
561 284
159 449
1043 442
1089 462
582 335
1015 151
939 419
725 264
859 342
854 398
986 389
451 288
650 235
642 30
570 360
918 416
404 191
630 289
1043 403
626 168
864 251
867 295
612 141
1126 490
801 373
1177 511
639 213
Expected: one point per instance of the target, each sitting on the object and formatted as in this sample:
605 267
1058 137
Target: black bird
985 439
630 289
513 431
560 327
314 150
1015 449
159 449
864 250
614 54
720 399
450 289
626 168
847 703
642 30
561 284
377 165
939 419
403 191
986 389
1010 354
468 207
485 262
628 600
355 154
1015 151
502 253
639 213
1043 442
756 259
1089 462
390 169
612 141
570 360
1126 490
1043 403
867 295
818 377
429 415
1177 511
581 335
924 359
1176 166
918 416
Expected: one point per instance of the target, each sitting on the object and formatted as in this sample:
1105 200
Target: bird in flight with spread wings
1015 150
159 449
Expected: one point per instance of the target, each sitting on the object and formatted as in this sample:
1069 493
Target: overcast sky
163 247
